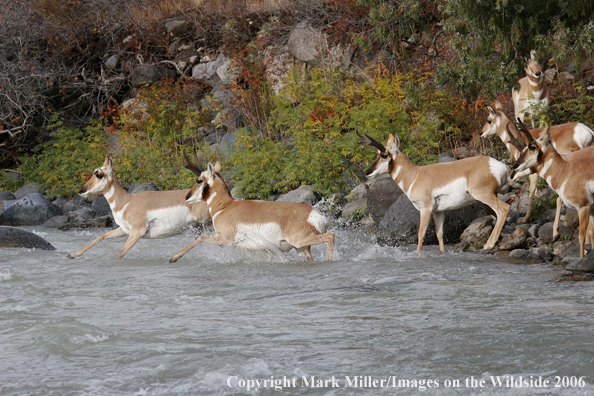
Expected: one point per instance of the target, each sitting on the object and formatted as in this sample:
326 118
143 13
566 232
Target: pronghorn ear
545 135
533 55
210 170
217 167
108 163
491 110
497 105
393 144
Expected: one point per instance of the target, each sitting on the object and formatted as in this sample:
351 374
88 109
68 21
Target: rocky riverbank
377 206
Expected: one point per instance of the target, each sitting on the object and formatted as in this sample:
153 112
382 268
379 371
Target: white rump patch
582 135
499 171
162 223
318 221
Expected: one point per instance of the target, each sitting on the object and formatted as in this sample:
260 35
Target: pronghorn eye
488 121
199 181
99 175
384 156
531 148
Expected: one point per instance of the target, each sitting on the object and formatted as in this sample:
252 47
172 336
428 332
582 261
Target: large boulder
400 225
476 234
15 237
304 194
382 194
306 43
150 73
585 264
33 209
26 190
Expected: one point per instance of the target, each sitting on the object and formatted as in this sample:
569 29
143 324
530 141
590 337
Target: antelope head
385 155
204 184
101 178
493 119
531 154
534 69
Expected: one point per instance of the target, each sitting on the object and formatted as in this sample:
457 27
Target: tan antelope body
572 180
436 188
565 138
149 214
252 224
533 89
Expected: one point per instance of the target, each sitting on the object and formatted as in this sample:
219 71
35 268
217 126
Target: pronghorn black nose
189 195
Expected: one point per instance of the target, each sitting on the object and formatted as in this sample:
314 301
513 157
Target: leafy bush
312 130
63 164
153 133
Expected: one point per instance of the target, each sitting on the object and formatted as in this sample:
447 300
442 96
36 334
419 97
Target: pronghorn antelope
533 89
520 144
565 138
573 181
251 224
436 188
149 214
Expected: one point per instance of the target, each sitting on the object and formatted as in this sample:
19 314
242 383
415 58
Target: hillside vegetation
419 68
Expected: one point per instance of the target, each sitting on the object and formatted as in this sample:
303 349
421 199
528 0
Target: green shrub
63 164
152 135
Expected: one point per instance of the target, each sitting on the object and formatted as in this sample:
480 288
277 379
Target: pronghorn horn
193 166
520 126
371 142
515 141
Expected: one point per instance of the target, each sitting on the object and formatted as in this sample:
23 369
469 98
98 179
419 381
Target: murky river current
375 320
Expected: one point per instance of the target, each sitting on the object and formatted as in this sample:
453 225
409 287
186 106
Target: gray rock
101 206
97 222
383 193
146 186
57 221
15 237
26 190
524 256
400 225
533 230
303 194
176 27
61 203
476 234
111 62
355 210
446 158
513 216
76 203
359 192
7 196
305 43
544 252
33 209
227 73
548 215
150 73
545 233
82 214
585 264
516 240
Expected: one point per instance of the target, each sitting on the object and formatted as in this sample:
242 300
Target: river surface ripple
99 325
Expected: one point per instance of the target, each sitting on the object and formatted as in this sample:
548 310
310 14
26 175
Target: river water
375 320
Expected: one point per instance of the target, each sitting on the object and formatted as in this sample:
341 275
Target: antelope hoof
70 256
172 259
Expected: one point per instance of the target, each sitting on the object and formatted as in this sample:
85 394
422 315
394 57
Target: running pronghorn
436 188
533 89
565 138
573 181
520 144
149 214
251 224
